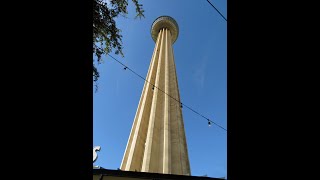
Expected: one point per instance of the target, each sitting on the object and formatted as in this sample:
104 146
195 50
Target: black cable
216 9
126 67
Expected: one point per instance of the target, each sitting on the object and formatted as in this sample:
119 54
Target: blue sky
200 54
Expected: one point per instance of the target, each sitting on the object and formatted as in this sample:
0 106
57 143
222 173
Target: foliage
106 35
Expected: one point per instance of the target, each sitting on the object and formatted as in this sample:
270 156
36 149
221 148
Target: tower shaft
157 141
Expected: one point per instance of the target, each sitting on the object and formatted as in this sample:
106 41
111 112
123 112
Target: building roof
147 175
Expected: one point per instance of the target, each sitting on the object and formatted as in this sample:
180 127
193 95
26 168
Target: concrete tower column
157 141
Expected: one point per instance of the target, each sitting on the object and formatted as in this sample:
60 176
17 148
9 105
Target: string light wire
153 86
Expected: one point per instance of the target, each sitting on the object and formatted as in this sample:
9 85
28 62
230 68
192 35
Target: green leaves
106 35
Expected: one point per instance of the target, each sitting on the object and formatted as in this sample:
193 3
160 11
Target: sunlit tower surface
157 141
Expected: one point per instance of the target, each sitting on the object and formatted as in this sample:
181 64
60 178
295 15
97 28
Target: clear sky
200 54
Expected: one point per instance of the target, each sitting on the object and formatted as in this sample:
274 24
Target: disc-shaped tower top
165 22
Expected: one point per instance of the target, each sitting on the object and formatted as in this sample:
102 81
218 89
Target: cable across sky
216 10
153 86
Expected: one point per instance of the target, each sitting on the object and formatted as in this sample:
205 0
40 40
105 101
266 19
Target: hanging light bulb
209 123
181 105
152 87
125 68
